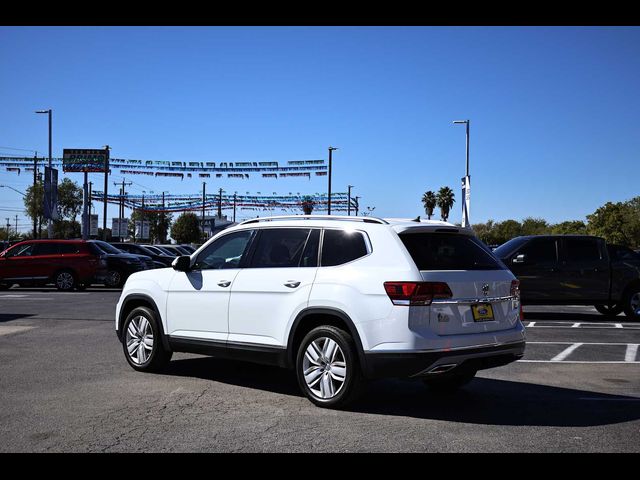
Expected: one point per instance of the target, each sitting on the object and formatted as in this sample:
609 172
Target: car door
535 264
198 300
268 294
18 263
584 266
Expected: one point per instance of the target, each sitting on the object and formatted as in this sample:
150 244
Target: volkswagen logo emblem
485 289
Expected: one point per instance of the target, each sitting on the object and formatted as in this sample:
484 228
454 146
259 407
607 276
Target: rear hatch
483 297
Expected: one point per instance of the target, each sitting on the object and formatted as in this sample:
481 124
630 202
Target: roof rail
317 217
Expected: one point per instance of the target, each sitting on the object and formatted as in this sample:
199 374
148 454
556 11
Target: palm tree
445 201
429 201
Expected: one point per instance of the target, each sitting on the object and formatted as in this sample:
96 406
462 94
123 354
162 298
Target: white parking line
565 353
584 325
578 361
531 324
632 351
9 329
575 325
572 343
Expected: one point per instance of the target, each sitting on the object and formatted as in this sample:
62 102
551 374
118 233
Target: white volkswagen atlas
338 299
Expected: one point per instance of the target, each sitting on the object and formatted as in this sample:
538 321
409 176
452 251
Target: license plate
482 312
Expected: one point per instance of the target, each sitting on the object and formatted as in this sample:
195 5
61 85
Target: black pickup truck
575 270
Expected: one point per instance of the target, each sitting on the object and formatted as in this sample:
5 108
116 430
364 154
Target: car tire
609 310
142 341
449 383
631 303
325 348
115 279
64 280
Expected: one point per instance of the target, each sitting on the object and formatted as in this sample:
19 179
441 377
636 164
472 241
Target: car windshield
106 248
508 247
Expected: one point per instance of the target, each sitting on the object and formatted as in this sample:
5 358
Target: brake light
515 288
416 293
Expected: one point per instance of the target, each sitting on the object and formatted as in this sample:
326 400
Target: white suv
339 299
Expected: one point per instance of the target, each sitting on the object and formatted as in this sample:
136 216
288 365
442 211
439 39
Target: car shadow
7 317
483 401
574 317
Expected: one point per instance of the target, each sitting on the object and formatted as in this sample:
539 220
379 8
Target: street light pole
466 181
331 149
349 187
50 114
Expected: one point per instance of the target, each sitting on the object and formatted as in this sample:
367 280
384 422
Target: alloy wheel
139 340
64 281
324 368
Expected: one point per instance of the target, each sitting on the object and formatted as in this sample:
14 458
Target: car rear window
342 246
449 251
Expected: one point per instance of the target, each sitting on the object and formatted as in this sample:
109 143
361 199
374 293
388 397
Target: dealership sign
84 160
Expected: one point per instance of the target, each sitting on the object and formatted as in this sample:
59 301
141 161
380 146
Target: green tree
158 227
429 200
504 231
445 200
575 227
616 223
307 204
69 199
67 229
535 226
484 231
186 229
34 204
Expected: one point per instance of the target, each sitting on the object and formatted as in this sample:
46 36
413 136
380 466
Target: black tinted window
21 251
539 250
225 252
46 249
69 248
581 249
310 254
342 246
622 253
447 251
280 247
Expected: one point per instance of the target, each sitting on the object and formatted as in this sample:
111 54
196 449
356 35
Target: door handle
224 283
292 284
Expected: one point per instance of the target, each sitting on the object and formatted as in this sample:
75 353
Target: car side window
342 246
226 252
540 250
21 251
581 250
280 247
69 248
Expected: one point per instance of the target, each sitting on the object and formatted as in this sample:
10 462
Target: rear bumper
418 364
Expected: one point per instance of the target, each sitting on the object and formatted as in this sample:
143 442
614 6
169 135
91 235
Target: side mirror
519 258
182 263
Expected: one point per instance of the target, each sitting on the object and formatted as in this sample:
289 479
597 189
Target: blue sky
553 110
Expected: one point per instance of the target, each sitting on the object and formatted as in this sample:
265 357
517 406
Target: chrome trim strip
453 349
470 301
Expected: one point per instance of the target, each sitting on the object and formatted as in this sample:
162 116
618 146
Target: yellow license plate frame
482 312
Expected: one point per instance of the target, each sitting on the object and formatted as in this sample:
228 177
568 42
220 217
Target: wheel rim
139 340
64 280
324 368
113 278
635 303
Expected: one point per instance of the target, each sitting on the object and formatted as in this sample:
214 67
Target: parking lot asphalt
66 387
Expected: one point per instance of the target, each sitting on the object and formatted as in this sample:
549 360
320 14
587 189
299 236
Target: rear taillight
515 293
515 288
416 293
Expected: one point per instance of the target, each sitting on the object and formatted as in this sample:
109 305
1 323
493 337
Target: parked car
119 264
161 260
188 248
338 299
575 270
177 250
68 264
158 250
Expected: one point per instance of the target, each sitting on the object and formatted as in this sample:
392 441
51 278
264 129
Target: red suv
68 264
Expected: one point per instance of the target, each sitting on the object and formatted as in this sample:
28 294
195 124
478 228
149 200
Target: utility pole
357 205
220 203
16 225
162 218
106 186
121 205
204 199
50 115
90 204
235 196
8 228
349 187
331 149
466 182
35 181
